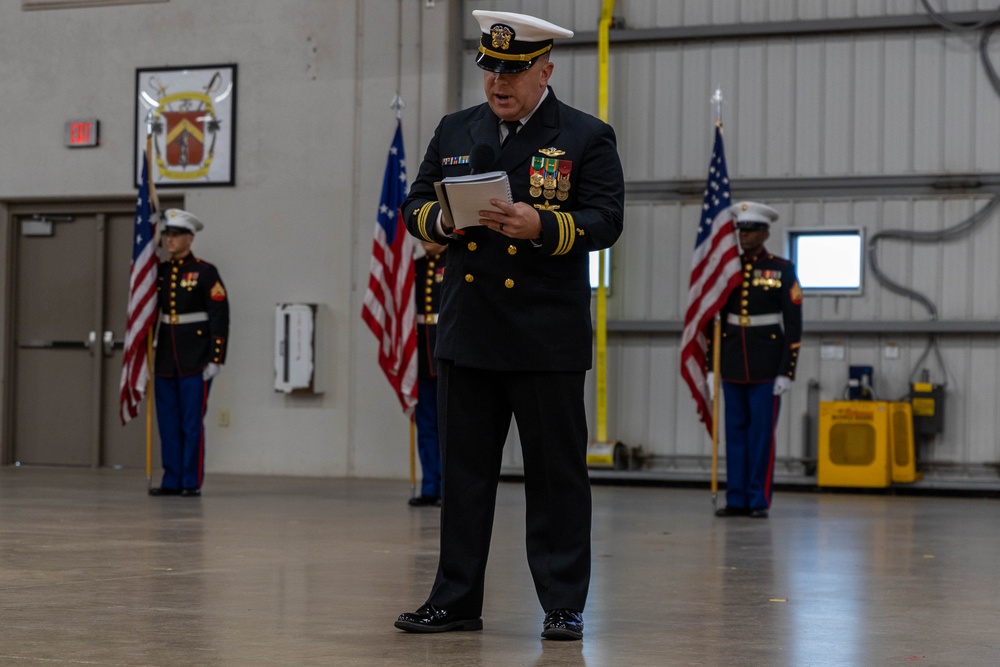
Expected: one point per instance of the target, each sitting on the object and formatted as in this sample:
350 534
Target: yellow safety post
601 452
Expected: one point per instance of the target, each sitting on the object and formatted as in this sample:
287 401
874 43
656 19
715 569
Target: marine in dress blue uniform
761 335
429 272
515 334
190 349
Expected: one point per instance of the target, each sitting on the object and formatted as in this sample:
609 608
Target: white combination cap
750 214
175 218
512 42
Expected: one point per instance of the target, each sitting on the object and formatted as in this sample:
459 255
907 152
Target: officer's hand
782 383
518 221
210 371
711 386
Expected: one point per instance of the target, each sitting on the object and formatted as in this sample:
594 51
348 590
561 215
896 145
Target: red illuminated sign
81 133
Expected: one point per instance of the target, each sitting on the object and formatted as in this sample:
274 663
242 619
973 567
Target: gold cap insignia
501 36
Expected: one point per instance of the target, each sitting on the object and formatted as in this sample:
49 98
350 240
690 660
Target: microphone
481 157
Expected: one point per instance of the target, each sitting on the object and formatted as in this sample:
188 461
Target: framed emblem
189 114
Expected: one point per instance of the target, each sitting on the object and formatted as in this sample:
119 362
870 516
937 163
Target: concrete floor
298 572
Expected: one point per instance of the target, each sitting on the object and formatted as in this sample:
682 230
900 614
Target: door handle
91 341
42 344
109 343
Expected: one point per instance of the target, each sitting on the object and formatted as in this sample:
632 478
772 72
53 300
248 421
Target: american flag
715 271
388 307
141 303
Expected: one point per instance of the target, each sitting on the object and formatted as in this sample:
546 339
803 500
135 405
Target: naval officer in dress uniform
515 332
761 334
190 350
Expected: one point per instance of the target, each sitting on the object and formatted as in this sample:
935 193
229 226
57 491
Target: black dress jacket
507 304
191 289
762 321
428 274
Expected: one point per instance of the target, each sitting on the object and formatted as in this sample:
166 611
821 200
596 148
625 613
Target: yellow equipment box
853 444
904 467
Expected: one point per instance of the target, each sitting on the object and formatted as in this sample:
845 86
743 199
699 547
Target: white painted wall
314 123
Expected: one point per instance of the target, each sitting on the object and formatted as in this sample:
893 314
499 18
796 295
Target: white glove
210 371
782 383
711 386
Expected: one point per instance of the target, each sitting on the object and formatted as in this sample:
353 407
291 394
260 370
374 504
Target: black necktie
512 127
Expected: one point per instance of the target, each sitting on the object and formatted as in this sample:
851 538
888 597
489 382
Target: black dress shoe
190 493
162 491
564 624
733 511
434 619
758 514
425 501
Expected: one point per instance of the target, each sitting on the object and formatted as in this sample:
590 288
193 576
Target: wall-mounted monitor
595 258
828 261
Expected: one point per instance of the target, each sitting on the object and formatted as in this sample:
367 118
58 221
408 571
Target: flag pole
716 363
716 352
149 410
397 105
149 335
413 457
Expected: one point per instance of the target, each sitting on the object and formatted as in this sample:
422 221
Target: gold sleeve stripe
560 247
567 233
422 214
562 234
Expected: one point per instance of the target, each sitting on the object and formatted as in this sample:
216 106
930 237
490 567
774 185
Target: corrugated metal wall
825 105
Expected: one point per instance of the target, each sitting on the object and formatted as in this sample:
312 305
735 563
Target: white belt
186 318
754 320
429 318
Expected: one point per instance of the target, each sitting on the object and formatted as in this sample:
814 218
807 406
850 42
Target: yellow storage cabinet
853 444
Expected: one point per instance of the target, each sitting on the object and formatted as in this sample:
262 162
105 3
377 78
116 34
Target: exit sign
81 133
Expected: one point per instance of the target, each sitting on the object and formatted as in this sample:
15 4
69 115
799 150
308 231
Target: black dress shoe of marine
163 491
758 514
733 511
434 619
564 624
190 493
425 501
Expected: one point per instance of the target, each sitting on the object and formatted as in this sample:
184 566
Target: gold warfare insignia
551 152
501 36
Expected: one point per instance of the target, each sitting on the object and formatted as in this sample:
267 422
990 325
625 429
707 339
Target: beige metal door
70 300
122 446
